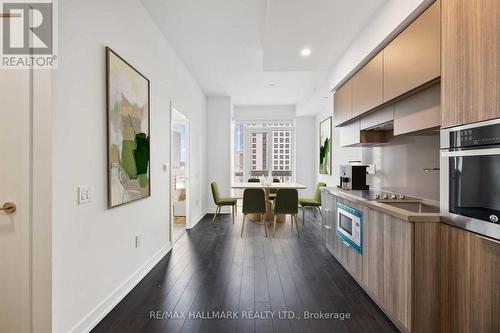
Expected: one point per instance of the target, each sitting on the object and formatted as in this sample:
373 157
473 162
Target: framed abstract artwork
325 146
127 92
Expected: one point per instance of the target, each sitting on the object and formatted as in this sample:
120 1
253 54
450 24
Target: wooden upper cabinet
470 79
413 57
367 86
343 104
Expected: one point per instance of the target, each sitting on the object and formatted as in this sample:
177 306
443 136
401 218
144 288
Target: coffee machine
353 177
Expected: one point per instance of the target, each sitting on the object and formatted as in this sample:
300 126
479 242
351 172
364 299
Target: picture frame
128 131
325 146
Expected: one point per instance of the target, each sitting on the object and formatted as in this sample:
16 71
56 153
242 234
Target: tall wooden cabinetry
470 79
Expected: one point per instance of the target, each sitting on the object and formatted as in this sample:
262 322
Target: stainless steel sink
415 207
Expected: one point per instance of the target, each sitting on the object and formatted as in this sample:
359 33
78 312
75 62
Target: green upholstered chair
286 202
221 202
314 203
254 202
253 180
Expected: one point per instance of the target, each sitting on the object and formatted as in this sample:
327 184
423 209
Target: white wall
305 166
340 155
94 258
218 147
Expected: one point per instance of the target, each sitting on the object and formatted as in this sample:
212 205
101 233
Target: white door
15 228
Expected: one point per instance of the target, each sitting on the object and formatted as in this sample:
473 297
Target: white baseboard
196 220
103 308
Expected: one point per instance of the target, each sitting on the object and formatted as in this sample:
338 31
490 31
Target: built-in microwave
349 226
470 177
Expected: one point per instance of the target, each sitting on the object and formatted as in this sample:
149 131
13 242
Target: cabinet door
398 269
418 112
350 134
373 253
342 110
470 287
367 86
413 58
471 61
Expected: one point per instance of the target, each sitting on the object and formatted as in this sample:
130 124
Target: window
268 149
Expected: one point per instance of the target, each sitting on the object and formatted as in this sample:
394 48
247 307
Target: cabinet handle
347 244
327 227
489 239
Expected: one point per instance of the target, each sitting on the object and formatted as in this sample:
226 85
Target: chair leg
319 210
303 215
314 210
296 225
234 212
274 224
265 226
215 215
291 220
243 225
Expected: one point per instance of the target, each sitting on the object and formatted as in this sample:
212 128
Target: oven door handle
475 152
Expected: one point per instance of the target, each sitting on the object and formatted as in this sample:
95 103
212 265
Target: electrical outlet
85 194
138 241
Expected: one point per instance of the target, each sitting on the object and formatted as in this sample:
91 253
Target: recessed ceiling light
305 52
272 84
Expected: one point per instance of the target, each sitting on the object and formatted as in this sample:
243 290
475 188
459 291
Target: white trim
103 308
195 221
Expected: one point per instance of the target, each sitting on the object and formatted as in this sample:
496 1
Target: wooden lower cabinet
398 269
470 282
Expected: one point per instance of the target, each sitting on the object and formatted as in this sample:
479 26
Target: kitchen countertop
400 213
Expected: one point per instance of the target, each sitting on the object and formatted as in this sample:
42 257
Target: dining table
267 187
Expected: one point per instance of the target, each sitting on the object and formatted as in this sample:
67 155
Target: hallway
212 269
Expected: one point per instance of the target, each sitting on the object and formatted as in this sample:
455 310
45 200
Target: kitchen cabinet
412 59
377 118
367 87
407 64
418 112
400 270
342 111
399 265
470 286
350 134
328 204
470 79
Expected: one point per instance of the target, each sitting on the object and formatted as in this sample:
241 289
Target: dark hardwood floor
211 270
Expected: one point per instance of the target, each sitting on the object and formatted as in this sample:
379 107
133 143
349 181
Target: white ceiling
250 49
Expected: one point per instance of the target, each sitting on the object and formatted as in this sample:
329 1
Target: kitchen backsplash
400 165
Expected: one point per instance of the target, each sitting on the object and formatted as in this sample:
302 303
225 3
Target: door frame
39 214
174 109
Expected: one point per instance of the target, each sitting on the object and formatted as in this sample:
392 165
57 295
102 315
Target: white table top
272 185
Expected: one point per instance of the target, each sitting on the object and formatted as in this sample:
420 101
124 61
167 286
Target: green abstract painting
128 132
325 147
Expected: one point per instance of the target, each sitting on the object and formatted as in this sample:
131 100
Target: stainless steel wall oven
470 177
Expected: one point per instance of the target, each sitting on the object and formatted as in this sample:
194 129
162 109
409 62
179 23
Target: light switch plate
85 195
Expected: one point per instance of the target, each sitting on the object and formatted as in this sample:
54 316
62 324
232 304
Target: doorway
179 173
